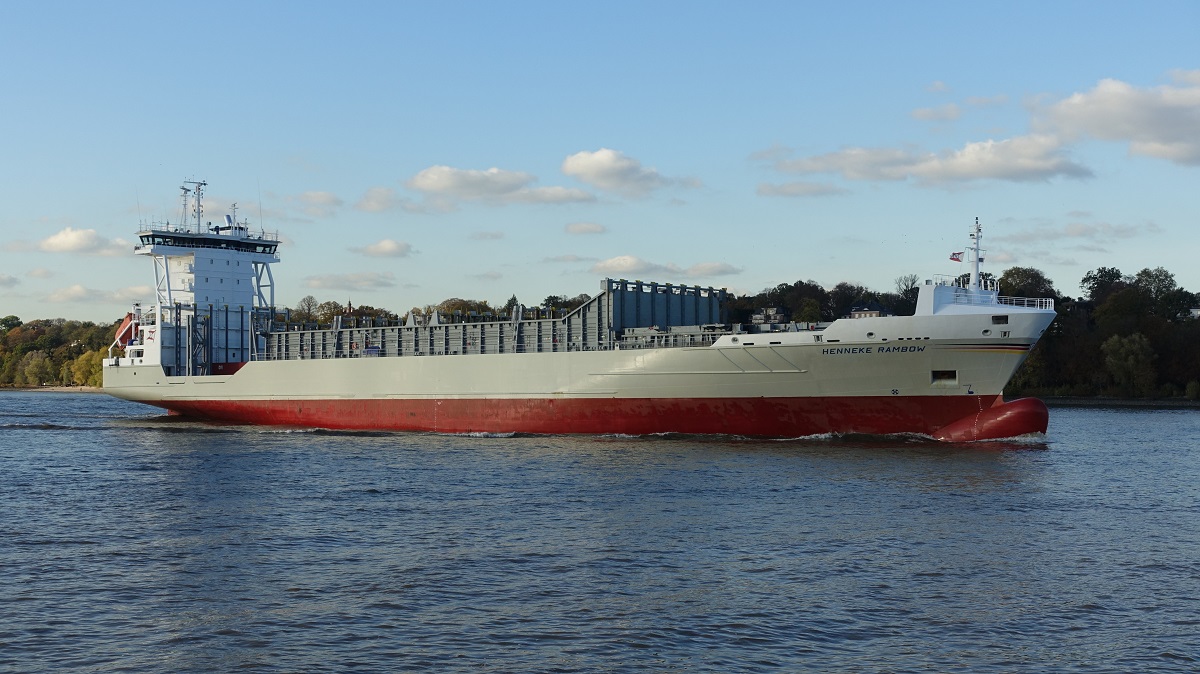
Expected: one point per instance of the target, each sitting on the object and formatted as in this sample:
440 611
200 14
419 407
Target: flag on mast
957 257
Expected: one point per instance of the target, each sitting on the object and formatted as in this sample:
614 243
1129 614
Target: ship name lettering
845 350
901 349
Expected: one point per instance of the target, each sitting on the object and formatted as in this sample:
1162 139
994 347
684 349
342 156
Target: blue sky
410 153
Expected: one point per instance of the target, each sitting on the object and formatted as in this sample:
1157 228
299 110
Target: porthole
986 333
870 335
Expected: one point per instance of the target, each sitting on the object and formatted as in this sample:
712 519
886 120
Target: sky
407 153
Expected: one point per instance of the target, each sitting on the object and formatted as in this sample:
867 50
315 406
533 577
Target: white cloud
855 163
1098 232
937 86
385 248
468 184
316 204
612 171
377 200
550 195
493 185
7 281
710 269
1186 76
777 152
1161 122
84 241
488 276
568 258
357 281
629 265
585 228
1020 159
487 236
798 189
78 293
945 113
987 101
40 272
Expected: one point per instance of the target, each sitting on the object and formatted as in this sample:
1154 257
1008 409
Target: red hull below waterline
949 418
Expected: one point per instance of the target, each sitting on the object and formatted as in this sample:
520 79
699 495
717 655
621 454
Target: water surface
131 541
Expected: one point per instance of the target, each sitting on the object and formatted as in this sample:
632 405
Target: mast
199 208
976 238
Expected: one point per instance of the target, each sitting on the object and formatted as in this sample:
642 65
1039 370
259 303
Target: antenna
262 227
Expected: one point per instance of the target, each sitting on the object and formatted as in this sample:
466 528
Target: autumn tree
453 304
325 311
565 303
306 309
907 288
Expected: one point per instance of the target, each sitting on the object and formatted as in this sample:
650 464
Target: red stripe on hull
755 417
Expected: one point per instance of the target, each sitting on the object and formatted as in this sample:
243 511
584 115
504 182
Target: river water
130 541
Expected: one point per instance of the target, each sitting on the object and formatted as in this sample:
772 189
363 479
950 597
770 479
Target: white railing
1031 302
984 299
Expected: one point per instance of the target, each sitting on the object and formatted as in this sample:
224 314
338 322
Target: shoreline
1162 403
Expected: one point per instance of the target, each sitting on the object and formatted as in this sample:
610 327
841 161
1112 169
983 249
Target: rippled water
130 541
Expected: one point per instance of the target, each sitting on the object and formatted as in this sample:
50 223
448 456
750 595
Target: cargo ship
637 358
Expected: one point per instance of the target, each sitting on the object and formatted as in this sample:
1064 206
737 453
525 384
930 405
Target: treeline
59 352
309 311
1131 336
1126 335
52 352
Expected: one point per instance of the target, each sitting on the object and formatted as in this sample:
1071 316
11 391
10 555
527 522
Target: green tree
1123 312
1102 282
984 277
1026 282
810 311
87 369
1130 361
35 369
1156 282
1176 305
843 297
